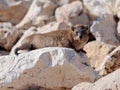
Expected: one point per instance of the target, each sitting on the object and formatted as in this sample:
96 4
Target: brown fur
75 39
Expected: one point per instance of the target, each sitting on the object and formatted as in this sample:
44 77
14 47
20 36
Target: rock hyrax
75 38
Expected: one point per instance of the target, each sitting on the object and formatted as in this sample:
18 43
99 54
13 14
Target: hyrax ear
85 27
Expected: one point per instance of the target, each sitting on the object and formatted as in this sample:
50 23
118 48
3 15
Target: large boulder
110 63
96 52
52 68
39 8
117 6
104 30
8 9
8 35
100 7
71 13
54 26
109 82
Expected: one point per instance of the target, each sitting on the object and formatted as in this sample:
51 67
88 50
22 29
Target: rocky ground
60 68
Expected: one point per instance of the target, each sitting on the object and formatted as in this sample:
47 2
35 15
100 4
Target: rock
8 35
3 4
110 63
109 82
61 66
7 12
62 2
96 52
43 20
39 8
100 7
117 6
118 29
68 11
28 32
54 26
3 52
103 27
82 19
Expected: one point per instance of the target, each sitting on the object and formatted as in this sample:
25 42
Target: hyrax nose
81 36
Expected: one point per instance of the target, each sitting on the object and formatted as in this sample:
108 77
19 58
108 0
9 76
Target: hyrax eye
77 32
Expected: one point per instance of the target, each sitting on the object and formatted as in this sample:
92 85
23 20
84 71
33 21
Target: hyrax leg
24 46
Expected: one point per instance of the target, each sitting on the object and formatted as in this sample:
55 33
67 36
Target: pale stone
53 26
109 82
43 20
65 12
8 35
110 63
100 7
118 30
96 52
27 33
52 68
37 9
81 19
117 6
104 30
7 12
62 2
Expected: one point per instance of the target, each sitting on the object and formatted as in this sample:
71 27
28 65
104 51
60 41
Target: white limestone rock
13 11
51 68
100 7
68 11
39 8
110 63
109 82
8 35
104 30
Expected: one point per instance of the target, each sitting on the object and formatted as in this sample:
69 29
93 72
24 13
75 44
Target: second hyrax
75 38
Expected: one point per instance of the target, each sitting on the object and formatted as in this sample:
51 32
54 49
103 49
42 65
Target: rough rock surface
117 6
101 7
8 9
98 53
103 27
54 26
110 63
28 32
118 28
109 82
62 2
61 66
38 8
8 35
68 11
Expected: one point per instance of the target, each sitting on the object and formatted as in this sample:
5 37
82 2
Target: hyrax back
75 39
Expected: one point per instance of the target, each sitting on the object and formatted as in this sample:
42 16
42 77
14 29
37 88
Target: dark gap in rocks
1 48
91 37
116 18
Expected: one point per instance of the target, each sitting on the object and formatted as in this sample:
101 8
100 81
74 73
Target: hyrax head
80 31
